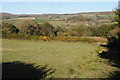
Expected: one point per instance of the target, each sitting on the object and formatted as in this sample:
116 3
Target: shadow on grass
20 70
113 55
115 75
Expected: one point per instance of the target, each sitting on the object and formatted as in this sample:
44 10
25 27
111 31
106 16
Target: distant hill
7 15
46 15
84 18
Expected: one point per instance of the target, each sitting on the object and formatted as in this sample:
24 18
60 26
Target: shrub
9 28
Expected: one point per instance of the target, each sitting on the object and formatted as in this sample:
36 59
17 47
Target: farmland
60 40
65 20
69 59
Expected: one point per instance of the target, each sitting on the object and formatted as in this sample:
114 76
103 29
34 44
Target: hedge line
52 38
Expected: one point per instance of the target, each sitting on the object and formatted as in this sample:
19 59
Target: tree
117 13
113 53
57 30
80 31
34 30
47 29
115 34
102 30
26 26
13 29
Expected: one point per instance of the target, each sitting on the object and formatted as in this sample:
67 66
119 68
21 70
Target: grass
10 21
69 59
63 23
41 20
14 20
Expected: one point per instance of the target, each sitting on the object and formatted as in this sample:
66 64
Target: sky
56 7
59 0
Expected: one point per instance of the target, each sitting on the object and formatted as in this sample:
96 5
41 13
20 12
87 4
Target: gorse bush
9 28
47 29
80 31
24 26
102 31
21 36
28 29
50 38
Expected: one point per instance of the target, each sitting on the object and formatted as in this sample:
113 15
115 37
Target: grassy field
69 59
41 20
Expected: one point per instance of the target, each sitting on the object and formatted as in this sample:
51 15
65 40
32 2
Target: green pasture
71 60
42 20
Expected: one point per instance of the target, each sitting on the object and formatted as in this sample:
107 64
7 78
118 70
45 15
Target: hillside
7 15
55 15
64 20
